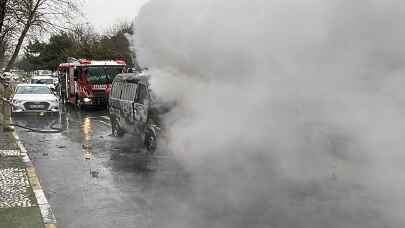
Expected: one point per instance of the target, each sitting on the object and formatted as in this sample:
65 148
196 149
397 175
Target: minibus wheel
116 130
150 142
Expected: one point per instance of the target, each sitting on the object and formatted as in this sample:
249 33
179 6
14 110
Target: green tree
79 42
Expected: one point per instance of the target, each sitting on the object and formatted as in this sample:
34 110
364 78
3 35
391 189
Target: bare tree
40 16
5 27
124 27
3 5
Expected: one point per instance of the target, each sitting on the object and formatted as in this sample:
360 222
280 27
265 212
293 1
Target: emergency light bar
119 61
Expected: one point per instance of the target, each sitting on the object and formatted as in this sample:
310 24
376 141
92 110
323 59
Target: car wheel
116 130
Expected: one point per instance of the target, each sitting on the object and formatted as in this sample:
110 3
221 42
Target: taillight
85 61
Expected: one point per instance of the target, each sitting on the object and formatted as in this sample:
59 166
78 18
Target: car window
44 72
101 74
124 91
42 81
116 90
32 90
142 95
128 91
131 91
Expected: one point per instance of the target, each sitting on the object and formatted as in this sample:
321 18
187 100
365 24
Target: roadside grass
7 142
11 139
29 217
11 162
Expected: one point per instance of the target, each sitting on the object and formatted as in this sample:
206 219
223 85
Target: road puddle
86 131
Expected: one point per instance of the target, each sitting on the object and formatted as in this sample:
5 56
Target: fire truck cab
88 82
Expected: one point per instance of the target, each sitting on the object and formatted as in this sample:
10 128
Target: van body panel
129 103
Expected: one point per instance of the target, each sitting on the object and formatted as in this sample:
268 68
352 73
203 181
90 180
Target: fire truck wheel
78 103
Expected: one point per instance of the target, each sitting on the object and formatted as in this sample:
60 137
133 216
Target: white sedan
47 80
34 98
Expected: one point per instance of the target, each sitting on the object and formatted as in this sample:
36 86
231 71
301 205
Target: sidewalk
18 202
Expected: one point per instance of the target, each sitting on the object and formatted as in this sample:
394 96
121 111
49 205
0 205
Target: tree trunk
3 4
18 47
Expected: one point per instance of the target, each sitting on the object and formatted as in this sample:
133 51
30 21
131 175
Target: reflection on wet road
95 180
86 131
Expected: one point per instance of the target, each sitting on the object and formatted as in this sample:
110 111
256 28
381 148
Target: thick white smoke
290 113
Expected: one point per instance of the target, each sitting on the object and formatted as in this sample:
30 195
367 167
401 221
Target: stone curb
47 214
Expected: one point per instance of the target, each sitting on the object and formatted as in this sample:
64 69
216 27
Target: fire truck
88 82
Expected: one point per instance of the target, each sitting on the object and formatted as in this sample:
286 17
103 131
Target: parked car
129 105
47 80
34 98
43 73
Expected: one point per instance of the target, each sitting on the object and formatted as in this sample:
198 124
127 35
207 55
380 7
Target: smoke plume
289 113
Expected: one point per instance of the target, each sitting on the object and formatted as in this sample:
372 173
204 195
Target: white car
47 80
34 98
43 73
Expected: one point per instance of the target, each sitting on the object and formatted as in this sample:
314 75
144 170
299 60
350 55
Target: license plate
37 106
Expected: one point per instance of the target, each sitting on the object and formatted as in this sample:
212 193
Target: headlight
53 101
86 100
17 102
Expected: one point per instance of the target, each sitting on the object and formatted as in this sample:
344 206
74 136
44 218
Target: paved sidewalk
18 204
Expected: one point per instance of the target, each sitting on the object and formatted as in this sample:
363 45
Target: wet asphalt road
119 186
122 186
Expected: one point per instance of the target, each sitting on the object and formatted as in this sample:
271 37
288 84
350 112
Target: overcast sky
103 13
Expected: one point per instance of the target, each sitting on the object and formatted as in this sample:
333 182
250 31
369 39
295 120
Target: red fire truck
87 82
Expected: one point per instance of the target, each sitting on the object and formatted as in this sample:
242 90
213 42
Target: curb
47 214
